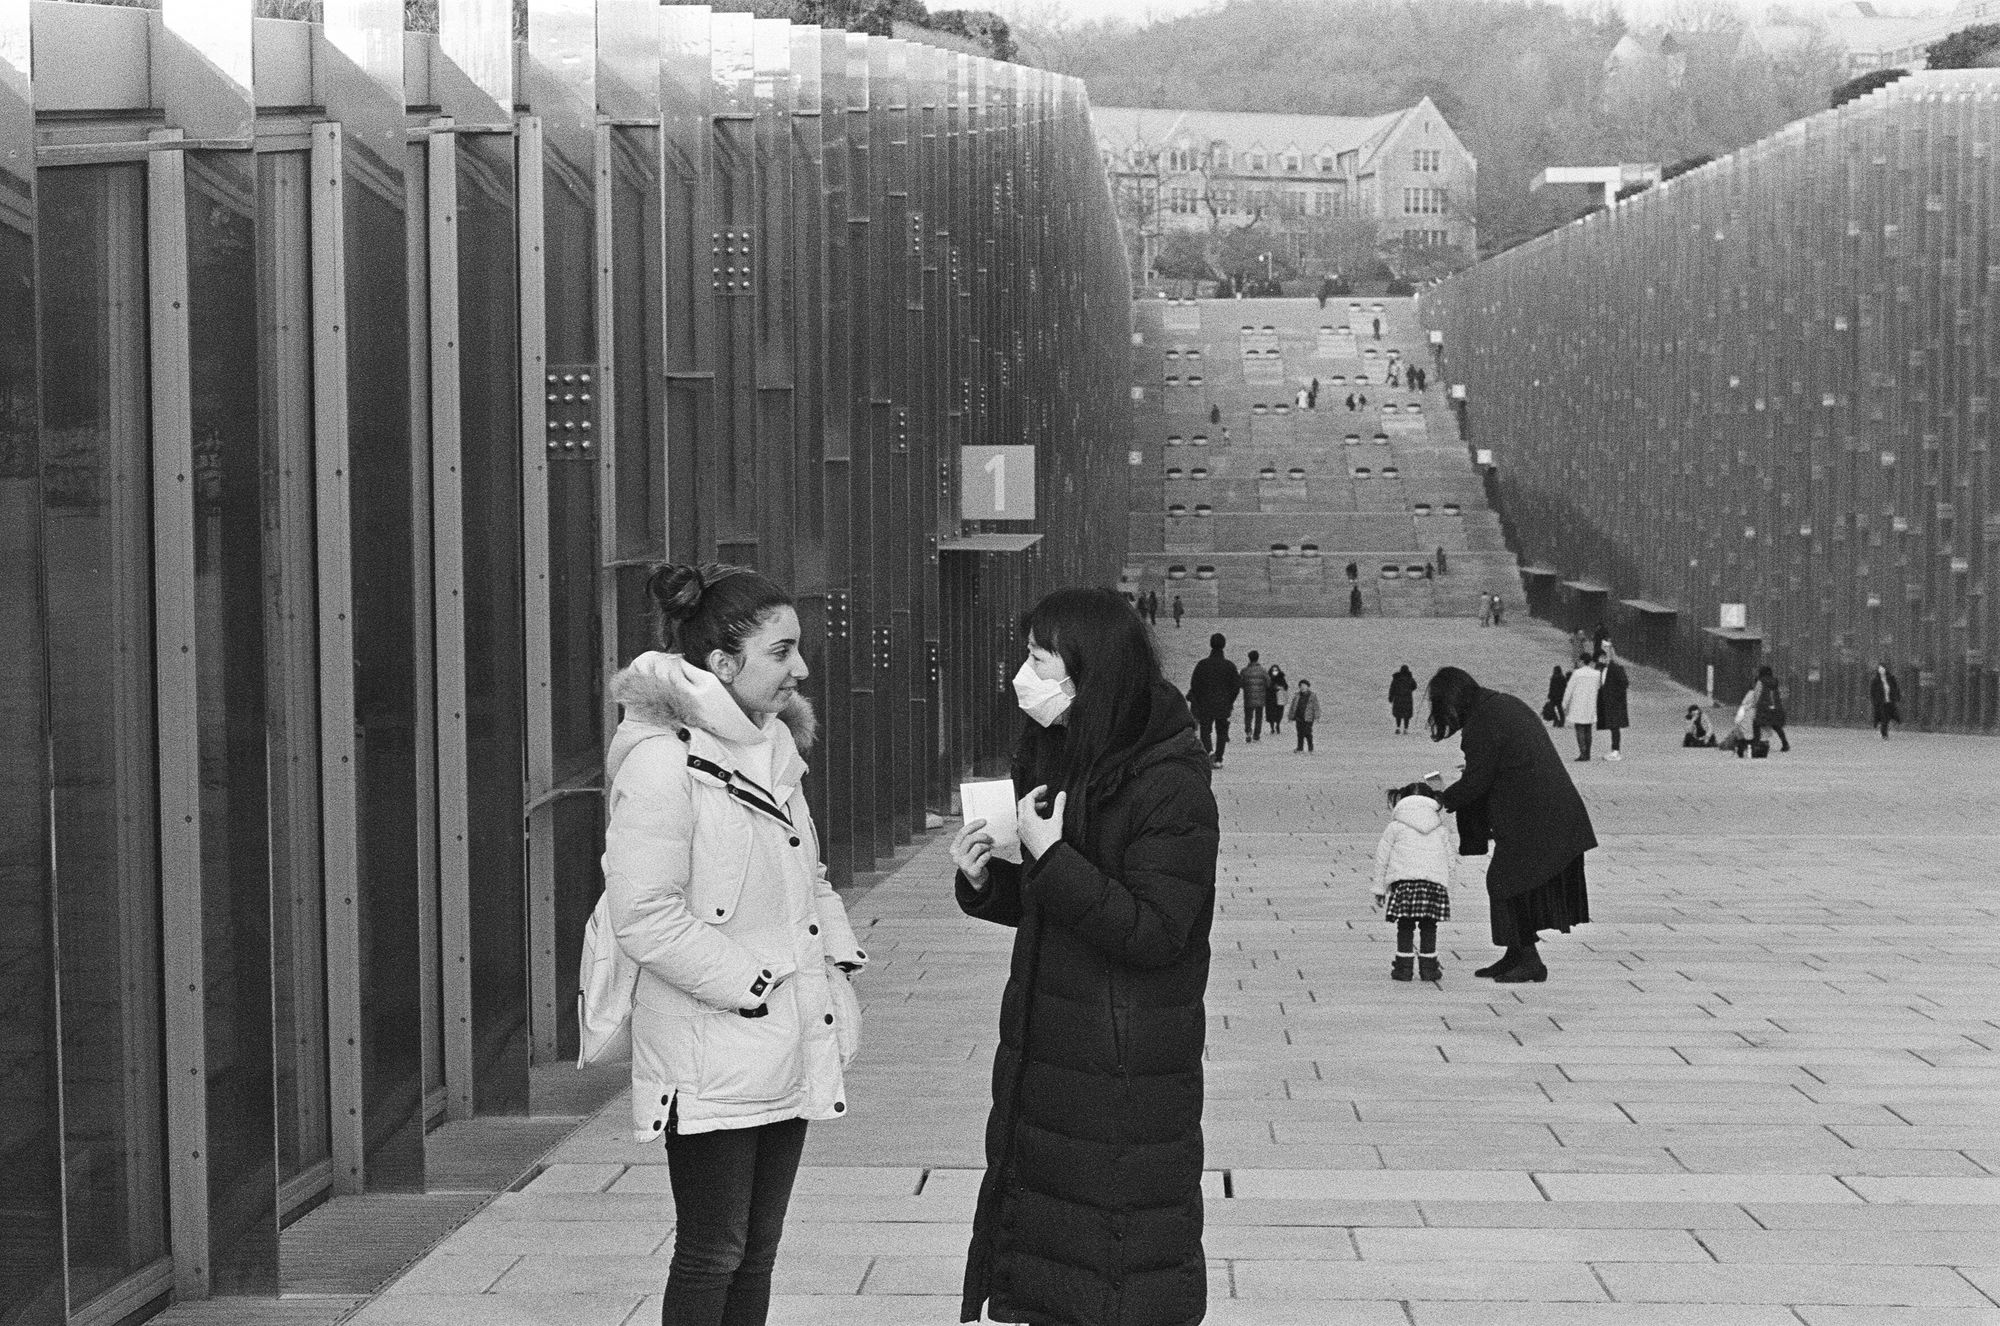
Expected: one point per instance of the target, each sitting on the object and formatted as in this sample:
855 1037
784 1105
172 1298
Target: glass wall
31 1288
231 620
489 406
98 531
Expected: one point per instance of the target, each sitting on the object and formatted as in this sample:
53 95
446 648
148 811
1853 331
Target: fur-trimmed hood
663 690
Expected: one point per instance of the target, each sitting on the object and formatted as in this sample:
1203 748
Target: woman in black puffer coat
1090 1213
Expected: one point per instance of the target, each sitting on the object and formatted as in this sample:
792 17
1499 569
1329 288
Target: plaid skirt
1418 900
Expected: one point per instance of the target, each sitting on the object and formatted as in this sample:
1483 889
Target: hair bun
676 588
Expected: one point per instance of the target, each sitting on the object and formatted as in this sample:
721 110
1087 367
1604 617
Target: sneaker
1614 755
1402 968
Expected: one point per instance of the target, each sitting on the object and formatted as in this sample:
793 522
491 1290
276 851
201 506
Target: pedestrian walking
1743 728
1299 398
1580 704
1885 697
1304 712
1256 689
1485 610
1444 565
1770 711
1179 612
742 1018
1090 1211
1353 572
1499 610
1378 328
1325 289
1413 879
1552 706
1514 793
1350 401
1354 601
1274 697
1395 378
1152 607
1613 713
1215 414
1212 696
1402 697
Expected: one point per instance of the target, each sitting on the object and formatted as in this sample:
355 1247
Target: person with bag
742 1018
1090 1211
1402 698
1614 709
1276 686
1558 684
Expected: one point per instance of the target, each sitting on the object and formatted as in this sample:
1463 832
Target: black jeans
730 1192
1582 740
1215 735
1305 731
1253 719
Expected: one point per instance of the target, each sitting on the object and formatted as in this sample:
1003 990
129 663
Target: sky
1143 10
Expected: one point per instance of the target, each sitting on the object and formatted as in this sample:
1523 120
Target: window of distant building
1428 159
1425 201
1293 164
1180 159
1296 201
1181 201
1424 239
1326 163
1218 157
1259 160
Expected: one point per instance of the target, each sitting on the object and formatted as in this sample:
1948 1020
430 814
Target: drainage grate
355 1245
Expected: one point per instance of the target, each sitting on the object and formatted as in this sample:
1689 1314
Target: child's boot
1427 967
1400 970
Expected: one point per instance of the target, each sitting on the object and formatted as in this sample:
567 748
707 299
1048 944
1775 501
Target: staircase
1245 505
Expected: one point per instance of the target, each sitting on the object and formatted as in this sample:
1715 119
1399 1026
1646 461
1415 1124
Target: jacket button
657 1125
795 842
829 1019
840 1107
663 1100
719 911
812 929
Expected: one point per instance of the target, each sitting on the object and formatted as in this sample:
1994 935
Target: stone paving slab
1762 1087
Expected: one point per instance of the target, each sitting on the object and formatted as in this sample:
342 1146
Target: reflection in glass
30 1151
635 241
489 406
97 529
229 631
298 895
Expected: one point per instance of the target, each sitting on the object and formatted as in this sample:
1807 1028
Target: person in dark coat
1215 414
1614 713
1552 708
1770 711
1090 1213
1516 788
1180 611
1354 601
1402 697
1212 697
1886 697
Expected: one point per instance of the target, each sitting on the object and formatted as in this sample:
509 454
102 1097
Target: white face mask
1043 700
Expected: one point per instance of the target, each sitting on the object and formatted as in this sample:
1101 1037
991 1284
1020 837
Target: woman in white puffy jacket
742 1018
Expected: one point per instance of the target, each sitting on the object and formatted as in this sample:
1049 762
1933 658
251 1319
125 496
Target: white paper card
993 801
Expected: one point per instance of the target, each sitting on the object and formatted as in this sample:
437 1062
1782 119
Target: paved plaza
1760 1088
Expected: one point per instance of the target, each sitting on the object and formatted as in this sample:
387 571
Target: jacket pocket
719 860
748 1061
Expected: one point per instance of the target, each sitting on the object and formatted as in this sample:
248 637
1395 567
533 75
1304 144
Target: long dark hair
1109 654
1451 693
711 606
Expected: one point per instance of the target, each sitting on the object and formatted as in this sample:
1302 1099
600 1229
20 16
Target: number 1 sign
996 483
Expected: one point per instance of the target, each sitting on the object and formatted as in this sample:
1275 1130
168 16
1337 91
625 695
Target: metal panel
475 78
863 764
202 68
448 613
179 731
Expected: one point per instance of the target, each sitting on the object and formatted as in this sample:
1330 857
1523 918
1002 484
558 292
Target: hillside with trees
1526 85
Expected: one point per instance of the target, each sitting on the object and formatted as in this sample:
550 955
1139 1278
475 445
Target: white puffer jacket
1416 845
708 894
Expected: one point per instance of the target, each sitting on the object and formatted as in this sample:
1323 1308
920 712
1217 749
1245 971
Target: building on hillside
1867 39
1405 173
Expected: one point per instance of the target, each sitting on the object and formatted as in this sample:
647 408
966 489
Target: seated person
1698 731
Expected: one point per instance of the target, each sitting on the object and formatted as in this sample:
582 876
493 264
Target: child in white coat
1413 878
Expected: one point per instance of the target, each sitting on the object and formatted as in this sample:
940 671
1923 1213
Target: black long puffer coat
1090 1213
